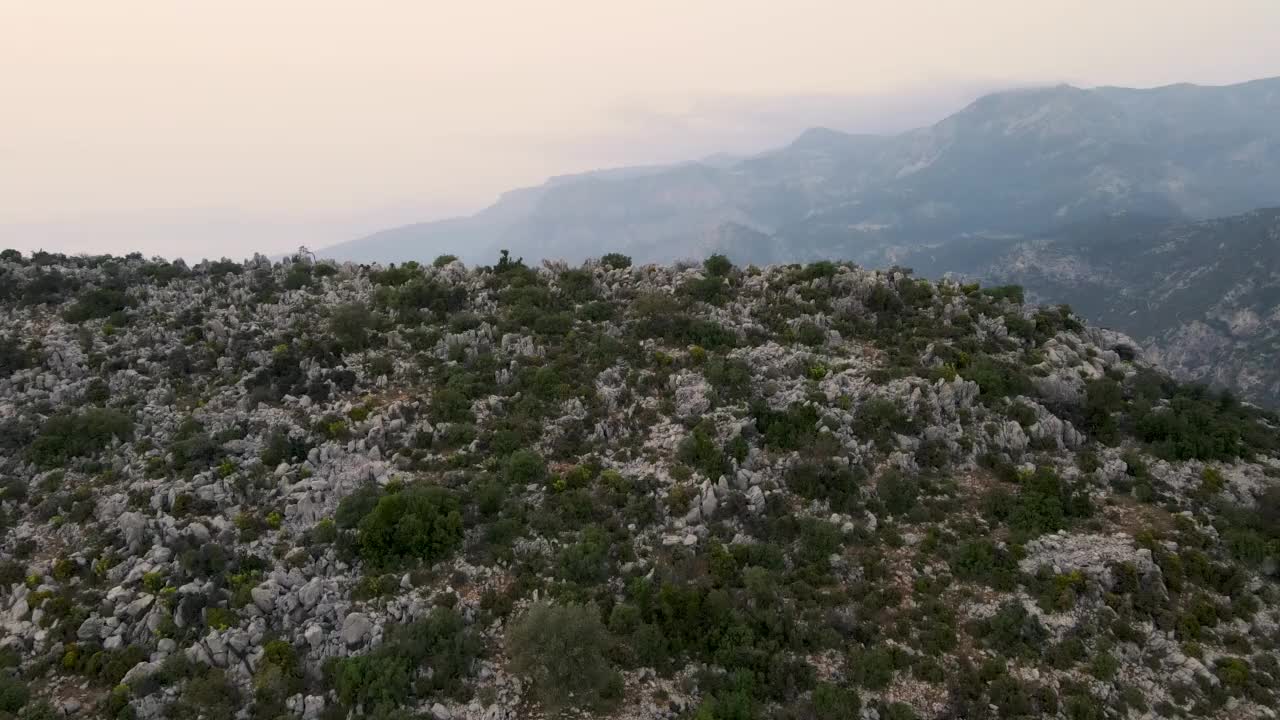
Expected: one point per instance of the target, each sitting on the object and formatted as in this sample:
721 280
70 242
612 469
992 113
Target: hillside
1012 163
316 490
1203 298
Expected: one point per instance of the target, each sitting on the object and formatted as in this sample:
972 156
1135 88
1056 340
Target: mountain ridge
1017 161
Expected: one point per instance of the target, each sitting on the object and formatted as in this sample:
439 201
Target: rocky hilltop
304 489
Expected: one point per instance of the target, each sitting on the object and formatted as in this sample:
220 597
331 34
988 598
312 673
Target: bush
66 436
718 266
616 261
1014 631
13 694
524 467
731 379
384 678
564 650
350 325
713 289
577 286
840 485
898 493
13 356
997 379
97 304
283 447
982 561
872 667
790 429
450 405
832 702
699 450
422 522
353 508
1012 293
661 316
879 419
207 697
1197 427
1046 504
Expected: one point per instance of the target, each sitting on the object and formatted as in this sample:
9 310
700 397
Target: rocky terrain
310 490
1202 298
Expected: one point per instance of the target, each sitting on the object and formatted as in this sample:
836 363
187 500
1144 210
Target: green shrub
564 650
981 560
210 696
615 261
1014 631
450 405
350 325
718 265
525 467
731 379
220 618
66 436
898 493
13 694
1012 293
699 450
790 429
1196 426
837 483
879 419
98 303
832 702
872 667
354 507
14 356
421 522
281 446
1046 504
997 379
385 677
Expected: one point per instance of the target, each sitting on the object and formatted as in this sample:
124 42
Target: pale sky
319 117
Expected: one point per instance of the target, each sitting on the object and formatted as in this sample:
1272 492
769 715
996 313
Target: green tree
718 265
524 467
66 435
420 522
616 261
350 325
564 650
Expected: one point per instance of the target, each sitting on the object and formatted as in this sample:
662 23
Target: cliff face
317 490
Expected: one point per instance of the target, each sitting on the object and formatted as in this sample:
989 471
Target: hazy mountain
1204 297
1010 164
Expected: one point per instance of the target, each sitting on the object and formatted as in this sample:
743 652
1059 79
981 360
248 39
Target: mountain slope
1011 163
1203 298
299 490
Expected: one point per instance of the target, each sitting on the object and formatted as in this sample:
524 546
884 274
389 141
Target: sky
202 128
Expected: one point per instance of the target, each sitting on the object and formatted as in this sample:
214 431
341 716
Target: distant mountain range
1011 164
1202 297
1100 198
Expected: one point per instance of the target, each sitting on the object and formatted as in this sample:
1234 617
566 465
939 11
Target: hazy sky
264 123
